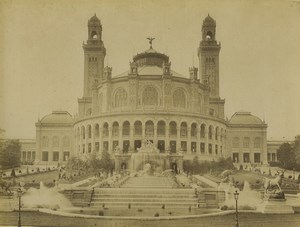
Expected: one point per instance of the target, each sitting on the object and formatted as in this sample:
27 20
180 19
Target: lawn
245 219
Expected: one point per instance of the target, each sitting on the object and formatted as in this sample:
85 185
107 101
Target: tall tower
94 54
208 53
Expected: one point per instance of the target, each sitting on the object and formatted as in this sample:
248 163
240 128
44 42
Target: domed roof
57 117
245 118
94 20
150 57
209 21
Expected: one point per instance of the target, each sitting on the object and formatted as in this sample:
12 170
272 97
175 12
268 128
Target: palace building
182 116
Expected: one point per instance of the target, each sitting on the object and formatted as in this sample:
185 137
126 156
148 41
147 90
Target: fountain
44 198
249 199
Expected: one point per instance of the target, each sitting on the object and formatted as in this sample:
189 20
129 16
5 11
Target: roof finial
150 41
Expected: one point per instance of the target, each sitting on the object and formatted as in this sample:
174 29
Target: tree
10 154
296 150
286 156
106 163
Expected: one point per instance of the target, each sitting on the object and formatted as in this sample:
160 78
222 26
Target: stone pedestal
275 206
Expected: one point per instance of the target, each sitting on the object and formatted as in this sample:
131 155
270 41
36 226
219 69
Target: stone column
110 142
206 142
131 137
178 138
120 141
189 140
155 136
143 131
198 140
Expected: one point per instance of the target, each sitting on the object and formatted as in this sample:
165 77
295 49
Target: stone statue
273 187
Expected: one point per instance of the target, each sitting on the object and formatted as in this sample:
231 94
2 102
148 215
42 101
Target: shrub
224 207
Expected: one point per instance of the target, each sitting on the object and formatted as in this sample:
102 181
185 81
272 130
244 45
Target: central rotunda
176 113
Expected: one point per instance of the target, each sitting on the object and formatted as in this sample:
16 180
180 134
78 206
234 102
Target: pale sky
41 56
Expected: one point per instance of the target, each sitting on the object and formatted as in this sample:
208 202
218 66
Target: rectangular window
235 157
105 146
45 156
137 144
55 156
173 146
246 158
24 156
66 156
194 147
257 157
115 144
126 144
29 155
269 157
273 157
161 145
210 148
83 148
89 147
183 146
216 149
33 155
202 147
97 146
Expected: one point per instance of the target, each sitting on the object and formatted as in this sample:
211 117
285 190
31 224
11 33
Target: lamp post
20 204
236 197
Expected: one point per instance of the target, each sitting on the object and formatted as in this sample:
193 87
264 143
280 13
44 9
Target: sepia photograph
150 113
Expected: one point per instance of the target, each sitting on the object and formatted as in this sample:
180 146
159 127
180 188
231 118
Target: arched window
55 141
96 130
183 129
222 134
210 132
150 96
257 142
66 141
94 35
161 128
137 128
115 129
194 130
173 128
217 133
246 142
202 131
89 128
236 142
179 99
105 129
120 98
149 130
126 128
82 132
45 141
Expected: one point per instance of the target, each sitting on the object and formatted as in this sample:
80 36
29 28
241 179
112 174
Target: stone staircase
144 197
146 191
149 182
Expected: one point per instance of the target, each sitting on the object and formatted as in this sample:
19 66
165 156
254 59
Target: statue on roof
150 41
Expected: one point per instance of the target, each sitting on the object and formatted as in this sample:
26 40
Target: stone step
129 200
143 204
145 195
143 191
